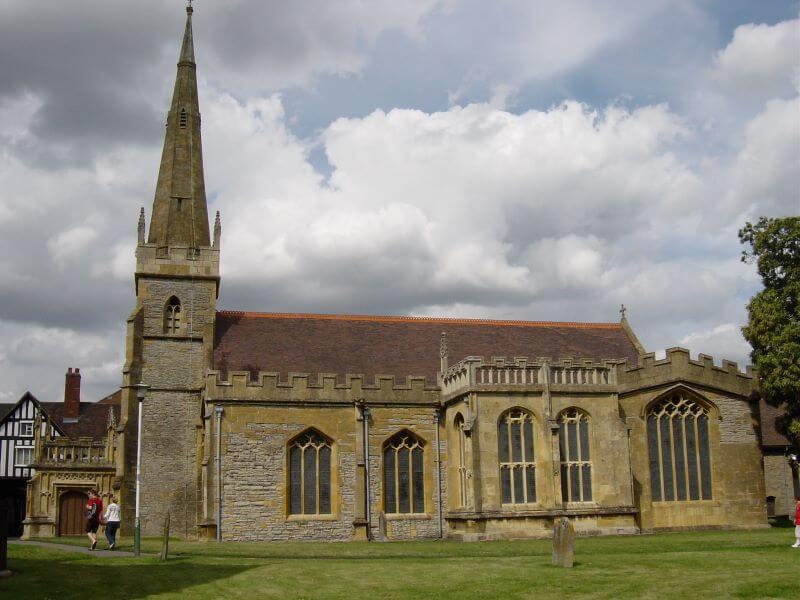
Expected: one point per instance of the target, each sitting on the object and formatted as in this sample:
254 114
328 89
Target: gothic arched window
182 118
576 466
461 458
517 465
403 476
310 474
677 439
172 316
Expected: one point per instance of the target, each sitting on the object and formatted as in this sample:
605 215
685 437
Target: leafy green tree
773 327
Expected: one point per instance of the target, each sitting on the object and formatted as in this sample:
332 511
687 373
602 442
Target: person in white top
111 518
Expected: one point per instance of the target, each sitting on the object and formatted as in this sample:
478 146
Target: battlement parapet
322 388
678 365
475 373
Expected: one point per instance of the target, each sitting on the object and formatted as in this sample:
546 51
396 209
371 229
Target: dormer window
172 316
182 119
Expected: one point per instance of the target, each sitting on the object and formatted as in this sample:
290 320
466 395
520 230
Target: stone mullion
660 457
698 466
396 473
672 454
687 487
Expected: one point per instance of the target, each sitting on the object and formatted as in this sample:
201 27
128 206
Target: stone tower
171 330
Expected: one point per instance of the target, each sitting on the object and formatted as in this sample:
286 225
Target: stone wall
255 472
169 462
779 482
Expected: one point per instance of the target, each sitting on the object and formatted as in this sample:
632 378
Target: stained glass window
403 475
310 475
517 465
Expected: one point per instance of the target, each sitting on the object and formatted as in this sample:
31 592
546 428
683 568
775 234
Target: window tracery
310 474
678 444
403 475
517 464
576 465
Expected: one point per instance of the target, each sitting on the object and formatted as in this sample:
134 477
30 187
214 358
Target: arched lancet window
310 474
172 316
677 439
403 475
461 458
576 465
517 466
182 119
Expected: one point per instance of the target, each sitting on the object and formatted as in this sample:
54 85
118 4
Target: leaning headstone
4 572
563 542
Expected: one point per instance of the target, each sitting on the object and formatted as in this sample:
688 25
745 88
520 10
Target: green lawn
721 564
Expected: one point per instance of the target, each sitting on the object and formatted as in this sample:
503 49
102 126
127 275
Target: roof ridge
412 319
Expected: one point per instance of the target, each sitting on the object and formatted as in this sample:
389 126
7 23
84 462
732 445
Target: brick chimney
72 393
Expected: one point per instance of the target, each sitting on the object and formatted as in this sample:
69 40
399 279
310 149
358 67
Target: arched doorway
70 513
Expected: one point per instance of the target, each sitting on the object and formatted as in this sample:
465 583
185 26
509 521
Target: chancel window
310 475
517 466
403 476
677 439
576 466
172 316
461 457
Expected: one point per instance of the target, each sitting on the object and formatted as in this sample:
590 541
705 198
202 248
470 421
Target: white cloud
766 174
761 60
723 341
70 243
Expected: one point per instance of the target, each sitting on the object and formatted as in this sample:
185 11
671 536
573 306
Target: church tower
170 332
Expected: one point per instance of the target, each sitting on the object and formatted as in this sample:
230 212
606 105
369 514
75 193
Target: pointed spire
443 363
180 215
140 227
187 48
217 231
111 422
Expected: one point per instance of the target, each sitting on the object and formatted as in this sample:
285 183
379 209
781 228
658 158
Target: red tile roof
395 345
92 420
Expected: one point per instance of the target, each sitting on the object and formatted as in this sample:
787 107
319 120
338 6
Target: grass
720 564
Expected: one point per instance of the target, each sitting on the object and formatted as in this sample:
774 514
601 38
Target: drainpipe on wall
365 412
438 474
218 464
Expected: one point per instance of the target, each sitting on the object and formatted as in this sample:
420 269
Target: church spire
180 215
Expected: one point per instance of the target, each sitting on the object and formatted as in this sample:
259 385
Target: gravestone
563 542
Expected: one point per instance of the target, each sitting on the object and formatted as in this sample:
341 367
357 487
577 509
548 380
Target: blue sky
534 160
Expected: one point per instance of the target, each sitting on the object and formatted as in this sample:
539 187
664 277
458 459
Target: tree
773 328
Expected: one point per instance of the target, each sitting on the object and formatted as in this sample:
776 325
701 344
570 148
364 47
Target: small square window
26 429
23 456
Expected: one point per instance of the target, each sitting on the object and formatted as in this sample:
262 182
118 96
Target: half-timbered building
29 424
17 451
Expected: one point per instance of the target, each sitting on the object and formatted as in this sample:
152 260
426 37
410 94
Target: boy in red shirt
94 509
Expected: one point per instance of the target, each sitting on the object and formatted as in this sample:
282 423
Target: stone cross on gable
622 310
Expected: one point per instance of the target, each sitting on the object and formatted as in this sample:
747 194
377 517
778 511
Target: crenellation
677 365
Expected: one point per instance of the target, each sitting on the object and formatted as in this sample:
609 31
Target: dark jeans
111 532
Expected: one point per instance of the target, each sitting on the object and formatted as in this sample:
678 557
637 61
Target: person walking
111 518
94 509
796 523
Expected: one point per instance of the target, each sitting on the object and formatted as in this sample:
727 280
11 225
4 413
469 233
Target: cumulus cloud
724 340
761 59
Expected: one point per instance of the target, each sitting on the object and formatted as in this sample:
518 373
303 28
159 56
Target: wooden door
71 520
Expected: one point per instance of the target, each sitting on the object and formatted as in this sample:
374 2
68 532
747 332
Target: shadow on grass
50 574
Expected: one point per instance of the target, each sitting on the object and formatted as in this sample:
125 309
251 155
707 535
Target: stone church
273 426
